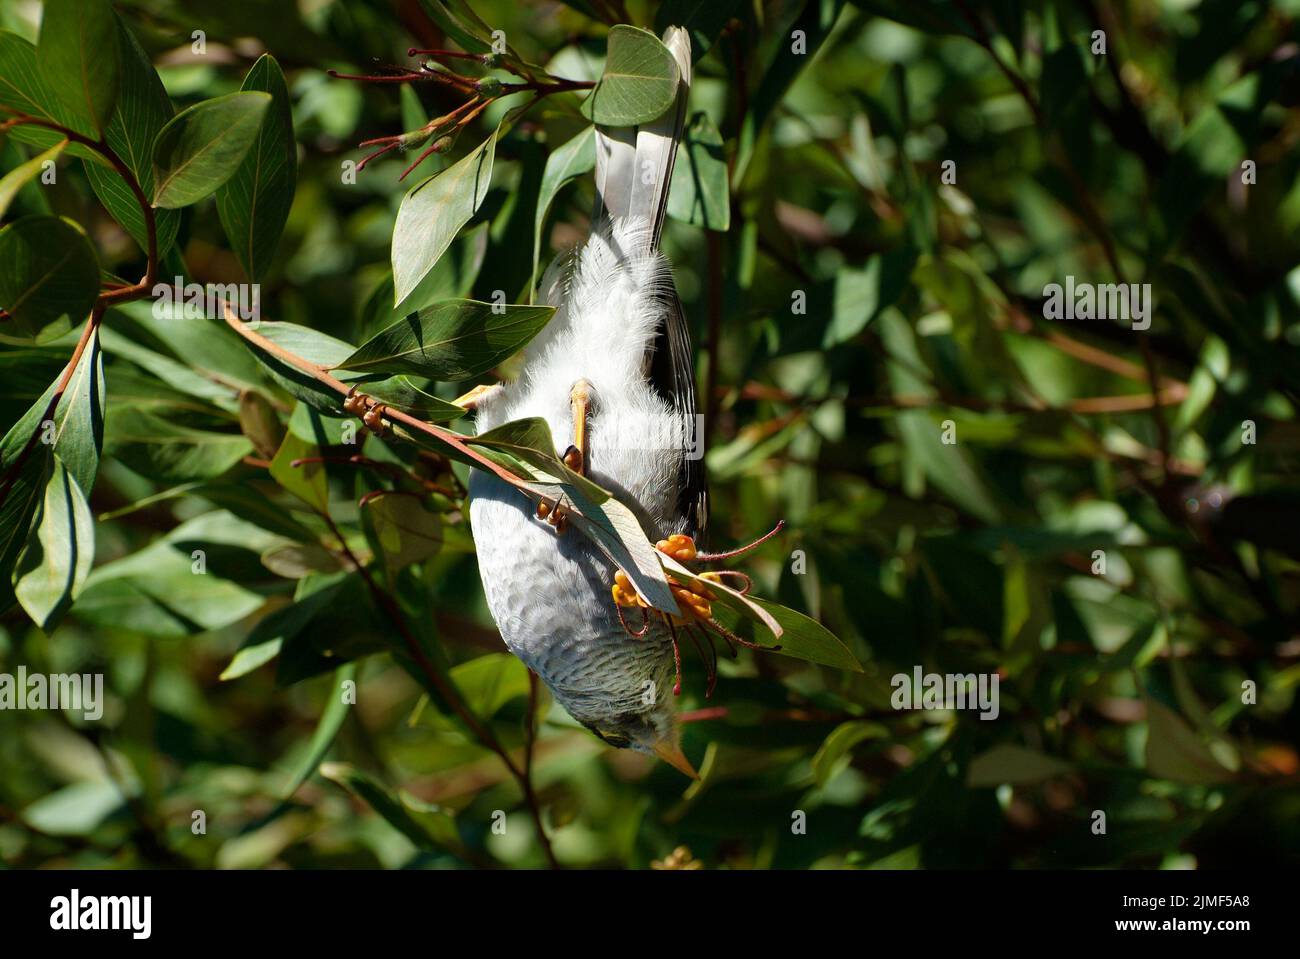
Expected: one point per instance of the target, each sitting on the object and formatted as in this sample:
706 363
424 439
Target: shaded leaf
639 83
143 109
700 194
53 567
201 148
254 203
80 57
433 212
566 163
452 340
49 277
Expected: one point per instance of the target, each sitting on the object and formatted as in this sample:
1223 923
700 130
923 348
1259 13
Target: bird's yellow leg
470 400
575 457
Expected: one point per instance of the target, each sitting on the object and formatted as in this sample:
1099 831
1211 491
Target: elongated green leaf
452 340
700 194
433 212
307 481
80 57
331 721
466 34
49 277
143 109
254 204
831 757
271 632
639 83
75 432
815 19
568 162
1017 765
24 90
381 801
1175 752
53 567
170 452
489 682
17 509
24 173
201 148
703 20
401 530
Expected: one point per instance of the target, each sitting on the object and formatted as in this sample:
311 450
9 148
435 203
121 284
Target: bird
615 356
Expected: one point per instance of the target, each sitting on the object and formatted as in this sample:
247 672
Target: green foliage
203 147
48 275
639 82
867 209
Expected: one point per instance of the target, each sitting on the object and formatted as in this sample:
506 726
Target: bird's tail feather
634 166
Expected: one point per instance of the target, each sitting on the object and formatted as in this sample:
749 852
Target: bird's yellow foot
471 400
554 514
575 457
355 403
374 419
693 599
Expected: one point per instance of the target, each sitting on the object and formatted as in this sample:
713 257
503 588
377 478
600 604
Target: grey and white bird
614 359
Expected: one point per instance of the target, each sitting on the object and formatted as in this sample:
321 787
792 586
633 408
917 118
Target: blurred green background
860 306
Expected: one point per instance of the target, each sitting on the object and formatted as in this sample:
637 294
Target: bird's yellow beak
671 753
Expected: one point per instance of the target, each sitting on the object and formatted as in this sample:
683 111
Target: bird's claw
554 514
371 413
573 459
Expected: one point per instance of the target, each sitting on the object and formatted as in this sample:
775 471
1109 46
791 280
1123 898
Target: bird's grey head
631 703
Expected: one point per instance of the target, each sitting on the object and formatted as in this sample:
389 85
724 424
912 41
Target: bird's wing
634 170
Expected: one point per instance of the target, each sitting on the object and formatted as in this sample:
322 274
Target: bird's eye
617 740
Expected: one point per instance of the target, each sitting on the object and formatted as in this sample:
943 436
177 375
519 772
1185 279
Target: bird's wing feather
634 171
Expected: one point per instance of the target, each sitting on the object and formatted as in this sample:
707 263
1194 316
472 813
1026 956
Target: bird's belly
550 597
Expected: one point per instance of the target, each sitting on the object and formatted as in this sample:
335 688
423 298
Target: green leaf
307 481
263 644
201 148
402 530
815 19
17 509
23 89
76 809
60 549
1175 752
703 19
575 158
1014 765
315 347
24 173
260 423
433 212
49 277
639 83
801 636
80 57
489 682
468 35
77 430
381 801
452 340
831 758
254 204
170 452
331 721
162 590
700 194
143 109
